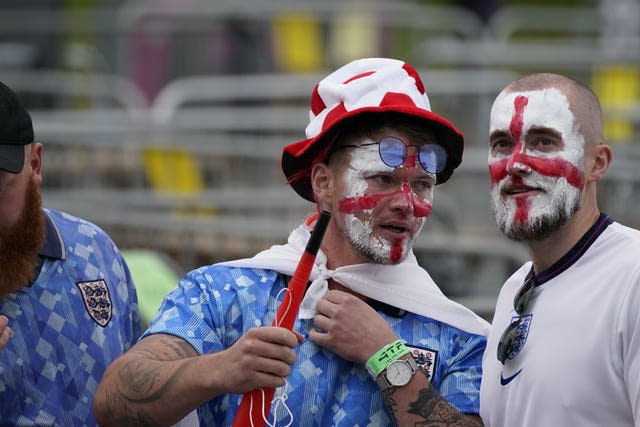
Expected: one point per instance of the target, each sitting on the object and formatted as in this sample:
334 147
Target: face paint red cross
554 168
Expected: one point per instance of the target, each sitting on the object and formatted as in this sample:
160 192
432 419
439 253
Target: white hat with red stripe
366 85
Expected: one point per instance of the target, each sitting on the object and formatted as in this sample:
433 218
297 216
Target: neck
333 285
544 253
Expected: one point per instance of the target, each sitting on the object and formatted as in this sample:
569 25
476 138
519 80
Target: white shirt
580 362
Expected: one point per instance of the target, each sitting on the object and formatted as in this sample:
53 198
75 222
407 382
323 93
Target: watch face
399 373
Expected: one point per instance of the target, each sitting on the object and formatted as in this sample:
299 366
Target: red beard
20 244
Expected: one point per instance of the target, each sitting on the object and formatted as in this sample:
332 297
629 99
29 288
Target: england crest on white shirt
521 335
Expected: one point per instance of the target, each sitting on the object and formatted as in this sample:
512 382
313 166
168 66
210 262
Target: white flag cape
405 285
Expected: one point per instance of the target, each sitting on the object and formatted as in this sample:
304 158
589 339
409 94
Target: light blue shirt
79 315
214 305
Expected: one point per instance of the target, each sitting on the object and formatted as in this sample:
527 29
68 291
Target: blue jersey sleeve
460 384
213 306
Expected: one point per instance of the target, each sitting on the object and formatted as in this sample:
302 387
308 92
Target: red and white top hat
366 85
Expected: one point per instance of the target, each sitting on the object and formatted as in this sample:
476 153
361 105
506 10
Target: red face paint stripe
549 167
396 251
410 161
558 168
358 204
517 121
522 210
498 171
351 205
421 209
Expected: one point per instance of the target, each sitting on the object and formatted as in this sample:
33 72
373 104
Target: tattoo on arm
432 410
392 405
436 411
144 384
129 417
141 380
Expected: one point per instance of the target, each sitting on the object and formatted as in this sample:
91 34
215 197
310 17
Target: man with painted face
373 152
564 348
68 306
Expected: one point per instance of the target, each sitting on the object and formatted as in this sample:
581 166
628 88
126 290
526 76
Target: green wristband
383 357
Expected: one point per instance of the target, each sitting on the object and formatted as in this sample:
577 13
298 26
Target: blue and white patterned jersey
79 315
214 305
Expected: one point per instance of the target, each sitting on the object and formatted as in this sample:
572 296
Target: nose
402 200
518 164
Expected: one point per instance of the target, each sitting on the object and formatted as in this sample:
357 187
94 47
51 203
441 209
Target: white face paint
546 108
373 193
557 173
365 162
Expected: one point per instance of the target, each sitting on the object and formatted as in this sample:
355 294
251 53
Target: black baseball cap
16 130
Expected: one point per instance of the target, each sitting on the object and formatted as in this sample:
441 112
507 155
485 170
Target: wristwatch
397 374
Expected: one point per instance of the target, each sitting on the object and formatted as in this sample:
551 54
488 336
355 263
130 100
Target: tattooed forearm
435 411
176 349
145 387
142 383
391 403
128 417
428 410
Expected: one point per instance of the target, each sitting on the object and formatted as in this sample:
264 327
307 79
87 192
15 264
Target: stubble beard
373 248
20 244
548 212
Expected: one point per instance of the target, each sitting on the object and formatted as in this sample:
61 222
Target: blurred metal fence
172 140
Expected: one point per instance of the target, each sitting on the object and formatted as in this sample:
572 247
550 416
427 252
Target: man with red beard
564 348
68 306
372 154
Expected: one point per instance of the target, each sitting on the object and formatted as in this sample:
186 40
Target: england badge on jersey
97 300
425 359
521 335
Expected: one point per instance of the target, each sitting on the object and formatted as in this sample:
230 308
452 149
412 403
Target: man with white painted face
372 327
564 348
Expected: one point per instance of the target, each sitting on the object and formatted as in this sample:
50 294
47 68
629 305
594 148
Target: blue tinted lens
432 157
393 151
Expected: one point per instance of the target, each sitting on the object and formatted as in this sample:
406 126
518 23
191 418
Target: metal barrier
114 161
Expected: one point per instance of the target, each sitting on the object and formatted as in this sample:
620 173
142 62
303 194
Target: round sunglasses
393 152
509 338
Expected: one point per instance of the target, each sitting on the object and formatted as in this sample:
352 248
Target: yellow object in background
353 35
172 170
298 42
618 87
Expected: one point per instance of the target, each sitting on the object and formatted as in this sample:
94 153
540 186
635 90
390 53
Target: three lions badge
97 300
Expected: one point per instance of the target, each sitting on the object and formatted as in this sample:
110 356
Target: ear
602 157
35 161
322 183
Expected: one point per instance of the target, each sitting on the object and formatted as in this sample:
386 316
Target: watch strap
383 357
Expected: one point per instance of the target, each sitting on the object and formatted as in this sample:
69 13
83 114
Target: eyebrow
543 130
499 133
533 129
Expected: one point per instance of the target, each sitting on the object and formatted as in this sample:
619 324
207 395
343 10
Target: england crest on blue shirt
425 359
521 335
97 300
